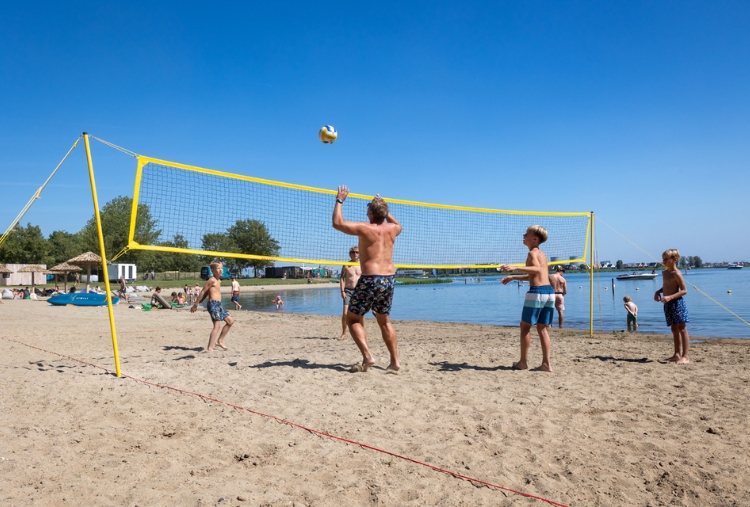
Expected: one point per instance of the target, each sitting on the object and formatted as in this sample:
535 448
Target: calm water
489 302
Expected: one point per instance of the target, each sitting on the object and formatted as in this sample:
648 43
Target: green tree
26 245
245 236
697 262
683 262
64 246
115 216
218 242
252 237
171 261
618 264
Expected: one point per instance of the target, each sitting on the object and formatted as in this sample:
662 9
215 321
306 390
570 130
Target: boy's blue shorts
539 305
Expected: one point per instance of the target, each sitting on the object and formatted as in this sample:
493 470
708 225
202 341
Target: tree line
27 245
686 261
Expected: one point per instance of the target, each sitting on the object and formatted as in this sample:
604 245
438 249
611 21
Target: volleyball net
199 205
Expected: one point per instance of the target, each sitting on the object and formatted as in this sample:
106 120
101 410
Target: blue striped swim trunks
539 305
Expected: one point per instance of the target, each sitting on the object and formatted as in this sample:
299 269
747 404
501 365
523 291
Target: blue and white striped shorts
539 305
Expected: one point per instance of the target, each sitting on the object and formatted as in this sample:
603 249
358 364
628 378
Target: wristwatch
339 201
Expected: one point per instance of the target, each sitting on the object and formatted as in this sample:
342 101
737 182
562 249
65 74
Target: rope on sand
296 425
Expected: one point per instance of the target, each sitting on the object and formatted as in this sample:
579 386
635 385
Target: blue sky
639 111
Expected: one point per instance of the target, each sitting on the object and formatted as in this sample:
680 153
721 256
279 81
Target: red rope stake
300 426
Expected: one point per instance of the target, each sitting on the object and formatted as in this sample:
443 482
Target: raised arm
351 228
392 220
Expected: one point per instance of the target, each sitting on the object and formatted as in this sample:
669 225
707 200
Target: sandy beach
612 425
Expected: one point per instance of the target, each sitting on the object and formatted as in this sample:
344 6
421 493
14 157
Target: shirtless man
538 307
212 291
374 289
236 293
347 282
560 287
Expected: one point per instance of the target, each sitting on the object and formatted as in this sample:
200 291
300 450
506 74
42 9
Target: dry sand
611 426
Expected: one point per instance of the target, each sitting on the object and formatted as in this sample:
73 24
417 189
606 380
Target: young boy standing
212 290
675 309
632 313
539 306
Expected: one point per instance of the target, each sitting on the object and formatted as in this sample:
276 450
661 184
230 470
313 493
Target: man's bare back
375 239
558 283
376 247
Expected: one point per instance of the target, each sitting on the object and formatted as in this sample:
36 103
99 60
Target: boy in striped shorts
539 305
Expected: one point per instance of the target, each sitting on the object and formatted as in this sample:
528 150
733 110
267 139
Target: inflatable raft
81 299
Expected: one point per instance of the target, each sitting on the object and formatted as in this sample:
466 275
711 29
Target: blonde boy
675 309
632 313
212 290
539 306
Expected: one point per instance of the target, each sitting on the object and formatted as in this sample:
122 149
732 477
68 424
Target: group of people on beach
369 286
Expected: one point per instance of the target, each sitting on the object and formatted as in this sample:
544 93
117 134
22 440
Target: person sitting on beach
72 290
212 291
632 313
180 299
675 310
123 288
374 289
538 307
236 293
155 301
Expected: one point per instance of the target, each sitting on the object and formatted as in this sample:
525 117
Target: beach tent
33 269
64 269
86 260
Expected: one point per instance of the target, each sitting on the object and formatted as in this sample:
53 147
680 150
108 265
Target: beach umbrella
33 269
63 269
86 260
4 270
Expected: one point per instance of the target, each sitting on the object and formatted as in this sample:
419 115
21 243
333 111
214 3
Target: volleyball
328 134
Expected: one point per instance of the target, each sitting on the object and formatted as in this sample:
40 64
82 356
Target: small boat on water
637 276
81 299
735 266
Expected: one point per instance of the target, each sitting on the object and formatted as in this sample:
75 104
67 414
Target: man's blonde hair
379 209
672 253
538 231
215 263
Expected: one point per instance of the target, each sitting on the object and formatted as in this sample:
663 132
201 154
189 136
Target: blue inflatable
81 299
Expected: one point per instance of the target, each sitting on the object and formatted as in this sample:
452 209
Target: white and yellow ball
328 134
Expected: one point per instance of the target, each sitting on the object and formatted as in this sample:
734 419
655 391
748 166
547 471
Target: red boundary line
311 430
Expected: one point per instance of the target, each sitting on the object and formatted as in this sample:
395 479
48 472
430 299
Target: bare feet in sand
361 368
393 370
543 367
683 360
520 366
675 358
342 336
222 346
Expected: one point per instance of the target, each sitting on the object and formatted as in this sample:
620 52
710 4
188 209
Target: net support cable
37 195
